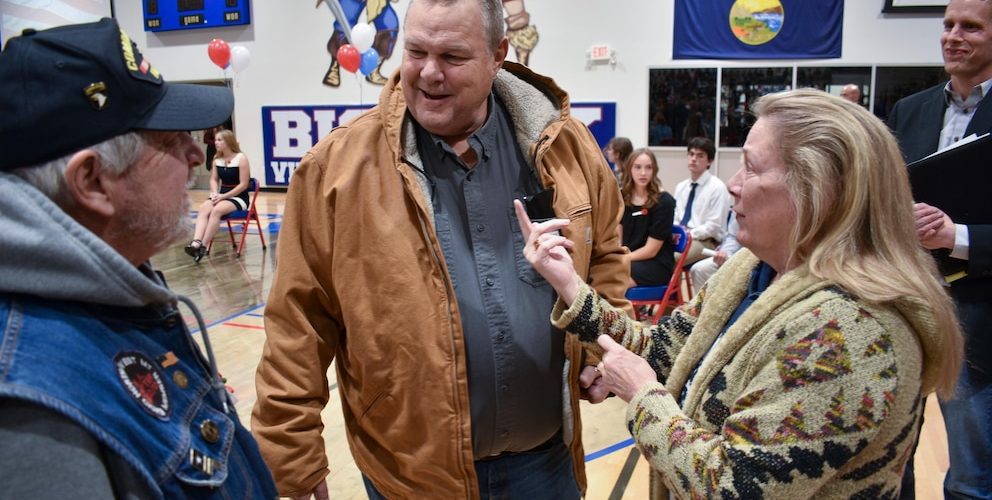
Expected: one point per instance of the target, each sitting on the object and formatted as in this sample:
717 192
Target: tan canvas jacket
362 280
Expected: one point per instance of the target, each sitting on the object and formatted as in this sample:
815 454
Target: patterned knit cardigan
812 393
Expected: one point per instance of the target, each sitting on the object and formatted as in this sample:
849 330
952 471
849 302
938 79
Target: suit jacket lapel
981 122
933 111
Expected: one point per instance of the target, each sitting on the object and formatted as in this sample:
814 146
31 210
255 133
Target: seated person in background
701 201
229 181
799 370
702 270
617 153
103 391
646 227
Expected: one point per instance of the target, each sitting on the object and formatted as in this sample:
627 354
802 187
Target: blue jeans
532 475
968 419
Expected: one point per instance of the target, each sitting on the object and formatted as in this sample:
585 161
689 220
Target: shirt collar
761 278
978 92
705 176
482 140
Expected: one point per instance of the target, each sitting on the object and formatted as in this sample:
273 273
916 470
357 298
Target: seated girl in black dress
647 221
229 181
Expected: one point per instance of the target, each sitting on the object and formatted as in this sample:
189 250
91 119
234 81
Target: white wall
287 42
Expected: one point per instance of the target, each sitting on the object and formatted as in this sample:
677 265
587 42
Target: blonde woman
799 370
229 181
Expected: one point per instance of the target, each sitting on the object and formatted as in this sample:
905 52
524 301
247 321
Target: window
738 90
683 102
894 83
833 79
682 105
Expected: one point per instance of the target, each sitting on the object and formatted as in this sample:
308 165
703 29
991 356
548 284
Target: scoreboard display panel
170 15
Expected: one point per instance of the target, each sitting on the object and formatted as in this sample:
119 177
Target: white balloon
362 36
240 58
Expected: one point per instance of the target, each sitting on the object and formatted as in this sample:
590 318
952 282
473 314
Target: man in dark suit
925 122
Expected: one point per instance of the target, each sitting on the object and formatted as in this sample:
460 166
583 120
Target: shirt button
503 388
209 431
500 336
490 281
480 228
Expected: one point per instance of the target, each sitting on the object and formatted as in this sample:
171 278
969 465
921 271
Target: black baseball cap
68 88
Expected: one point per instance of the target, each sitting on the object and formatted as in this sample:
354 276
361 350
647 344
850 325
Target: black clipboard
957 180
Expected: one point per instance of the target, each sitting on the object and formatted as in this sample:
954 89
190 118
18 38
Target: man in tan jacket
401 259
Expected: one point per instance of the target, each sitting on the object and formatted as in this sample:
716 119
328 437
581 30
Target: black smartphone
540 206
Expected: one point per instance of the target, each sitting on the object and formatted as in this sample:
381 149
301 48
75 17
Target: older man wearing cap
103 392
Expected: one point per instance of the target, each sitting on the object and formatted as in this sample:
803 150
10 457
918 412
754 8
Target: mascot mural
522 35
379 14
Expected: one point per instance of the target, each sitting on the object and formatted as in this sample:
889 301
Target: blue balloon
370 61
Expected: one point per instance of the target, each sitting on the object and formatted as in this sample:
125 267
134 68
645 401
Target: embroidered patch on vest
143 381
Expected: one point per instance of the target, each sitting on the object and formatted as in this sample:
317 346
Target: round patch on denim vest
143 381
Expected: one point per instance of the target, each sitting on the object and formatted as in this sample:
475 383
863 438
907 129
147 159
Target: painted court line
229 318
609 449
239 325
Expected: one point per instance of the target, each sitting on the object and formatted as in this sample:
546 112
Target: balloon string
361 90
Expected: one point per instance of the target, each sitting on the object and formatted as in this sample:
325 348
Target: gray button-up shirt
959 112
515 357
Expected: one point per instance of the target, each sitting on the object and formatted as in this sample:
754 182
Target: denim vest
135 380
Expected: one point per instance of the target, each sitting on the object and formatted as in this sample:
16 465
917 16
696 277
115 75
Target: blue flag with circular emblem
758 29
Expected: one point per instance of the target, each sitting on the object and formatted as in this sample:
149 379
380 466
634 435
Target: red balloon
219 52
349 57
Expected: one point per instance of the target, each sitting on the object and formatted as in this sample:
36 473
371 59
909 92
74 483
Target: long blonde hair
230 140
854 208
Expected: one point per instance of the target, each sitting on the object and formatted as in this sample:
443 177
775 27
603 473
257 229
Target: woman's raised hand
547 251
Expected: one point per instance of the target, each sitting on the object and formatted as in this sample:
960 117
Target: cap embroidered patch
143 382
140 69
97 94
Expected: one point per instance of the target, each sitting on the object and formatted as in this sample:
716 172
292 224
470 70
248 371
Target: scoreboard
169 15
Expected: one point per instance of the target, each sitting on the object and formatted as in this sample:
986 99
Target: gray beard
161 228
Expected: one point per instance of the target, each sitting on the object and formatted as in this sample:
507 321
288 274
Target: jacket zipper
449 292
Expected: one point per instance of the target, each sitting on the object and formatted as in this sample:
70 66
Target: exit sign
600 52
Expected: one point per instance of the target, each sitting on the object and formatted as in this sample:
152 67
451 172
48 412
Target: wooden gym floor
231 293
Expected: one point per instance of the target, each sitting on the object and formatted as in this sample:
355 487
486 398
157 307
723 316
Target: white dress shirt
709 207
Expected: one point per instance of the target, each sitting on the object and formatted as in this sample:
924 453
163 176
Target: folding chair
660 296
687 275
244 218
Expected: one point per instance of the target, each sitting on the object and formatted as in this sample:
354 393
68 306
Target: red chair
660 296
244 218
687 276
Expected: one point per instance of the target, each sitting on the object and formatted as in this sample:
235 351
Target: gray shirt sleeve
46 455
